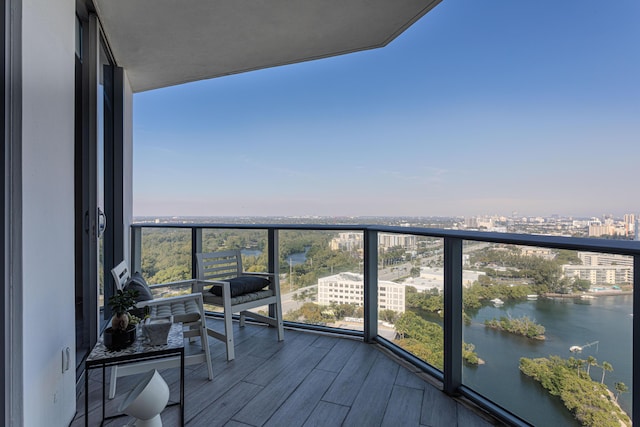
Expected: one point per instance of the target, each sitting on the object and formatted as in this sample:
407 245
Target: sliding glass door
98 170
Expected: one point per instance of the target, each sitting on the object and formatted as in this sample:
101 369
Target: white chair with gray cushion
223 283
187 309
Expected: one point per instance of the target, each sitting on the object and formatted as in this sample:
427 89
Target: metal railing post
452 315
136 249
370 285
274 259
196 247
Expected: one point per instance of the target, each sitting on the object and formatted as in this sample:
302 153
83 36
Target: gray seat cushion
182 311
242 285
241 299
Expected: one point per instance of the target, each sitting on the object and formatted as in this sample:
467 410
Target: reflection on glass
105 132
321 280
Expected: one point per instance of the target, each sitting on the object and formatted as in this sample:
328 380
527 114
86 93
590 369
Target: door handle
102 222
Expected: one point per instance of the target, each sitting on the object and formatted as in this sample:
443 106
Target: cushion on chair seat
137 283
182 311
241 299
242 285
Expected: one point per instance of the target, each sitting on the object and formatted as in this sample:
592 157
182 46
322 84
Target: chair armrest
226 287
198 285
177 298
170 284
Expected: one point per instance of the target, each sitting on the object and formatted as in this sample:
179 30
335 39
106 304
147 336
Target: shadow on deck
309 379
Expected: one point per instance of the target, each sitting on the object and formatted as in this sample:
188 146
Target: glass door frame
90 319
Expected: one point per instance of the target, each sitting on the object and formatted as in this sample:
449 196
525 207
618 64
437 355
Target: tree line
166 252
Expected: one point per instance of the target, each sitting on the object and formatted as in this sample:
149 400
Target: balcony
602 327
309 379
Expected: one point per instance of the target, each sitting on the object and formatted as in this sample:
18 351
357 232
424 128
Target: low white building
433 277
348 288
595 259
600 274
350 241
387 241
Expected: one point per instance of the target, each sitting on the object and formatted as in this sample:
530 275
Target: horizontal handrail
620 247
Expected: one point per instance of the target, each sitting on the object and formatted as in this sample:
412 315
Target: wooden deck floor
309 379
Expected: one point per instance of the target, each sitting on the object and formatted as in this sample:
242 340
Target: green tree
388 315
565 256
591 361
581 284
620 388
606 366
468 354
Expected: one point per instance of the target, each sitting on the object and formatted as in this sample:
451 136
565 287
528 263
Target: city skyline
476 109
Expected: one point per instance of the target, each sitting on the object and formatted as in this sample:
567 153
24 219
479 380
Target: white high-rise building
348 288
600 274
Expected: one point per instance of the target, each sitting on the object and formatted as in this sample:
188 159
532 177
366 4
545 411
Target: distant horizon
476 108
516 215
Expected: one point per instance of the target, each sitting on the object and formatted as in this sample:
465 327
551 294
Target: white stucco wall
48 42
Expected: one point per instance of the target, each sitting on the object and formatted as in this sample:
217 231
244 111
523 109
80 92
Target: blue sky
479 108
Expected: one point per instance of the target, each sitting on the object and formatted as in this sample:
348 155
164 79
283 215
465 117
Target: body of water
298 258
293 259
568 322
251 252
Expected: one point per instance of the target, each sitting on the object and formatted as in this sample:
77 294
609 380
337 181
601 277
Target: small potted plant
122 331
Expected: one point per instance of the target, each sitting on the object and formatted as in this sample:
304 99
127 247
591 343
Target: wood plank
223 409
438 410
264 346
234 423
347 384
262 407
404 407
281 361
345 370
297 408
406 378
325 341
242 337
327 415
226 376
340 354
466 417
370 405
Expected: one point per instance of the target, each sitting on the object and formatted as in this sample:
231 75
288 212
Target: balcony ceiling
167 42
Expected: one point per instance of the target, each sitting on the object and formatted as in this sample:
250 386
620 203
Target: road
288 304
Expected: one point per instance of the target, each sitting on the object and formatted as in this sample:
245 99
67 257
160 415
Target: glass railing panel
166 254
252 245
321 278
170 289
552 330
410 294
